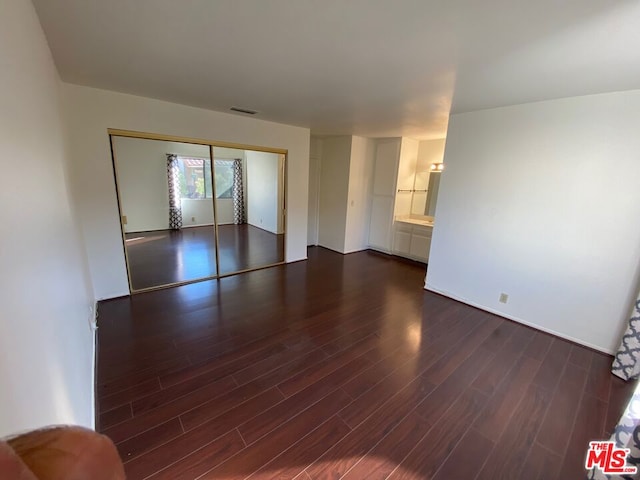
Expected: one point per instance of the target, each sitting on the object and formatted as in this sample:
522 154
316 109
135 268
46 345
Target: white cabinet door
402 243
386 168
381 221
420 246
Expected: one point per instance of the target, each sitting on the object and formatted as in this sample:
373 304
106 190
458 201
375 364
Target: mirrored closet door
166 205
250 206
197 211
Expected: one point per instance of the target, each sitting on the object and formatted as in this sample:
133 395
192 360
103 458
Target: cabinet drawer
403 227
422 231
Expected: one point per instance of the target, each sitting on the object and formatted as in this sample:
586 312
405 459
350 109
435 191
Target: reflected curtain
173 179
626 364
237 194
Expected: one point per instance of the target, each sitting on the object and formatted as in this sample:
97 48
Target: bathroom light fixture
436 167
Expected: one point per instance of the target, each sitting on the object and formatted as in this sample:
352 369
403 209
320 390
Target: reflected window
195 177
224 178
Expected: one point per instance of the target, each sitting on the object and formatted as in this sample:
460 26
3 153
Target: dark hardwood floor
342 367
169 256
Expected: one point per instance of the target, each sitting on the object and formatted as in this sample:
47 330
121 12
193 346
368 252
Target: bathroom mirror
420 188
193 211
432 194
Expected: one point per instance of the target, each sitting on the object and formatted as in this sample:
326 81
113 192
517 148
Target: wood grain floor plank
181 446
149 439
383 458
141 423
581 357
492 376
562 410
211 409
314 367
343 455
589 426
112 417
219 369
268 420
124 397
542 464
475 449
506 398
293 461
539 346
430 453
506 460
277 441
599 378
211 453
553 364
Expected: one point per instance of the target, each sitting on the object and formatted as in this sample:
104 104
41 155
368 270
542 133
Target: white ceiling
363 67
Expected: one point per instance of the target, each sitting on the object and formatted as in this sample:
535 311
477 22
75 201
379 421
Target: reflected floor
169 256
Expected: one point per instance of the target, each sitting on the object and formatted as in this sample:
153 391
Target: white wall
196 211
343 191
91 112
430 152
315 153
541 201
362 160
334 192
224 209
262 170
46 345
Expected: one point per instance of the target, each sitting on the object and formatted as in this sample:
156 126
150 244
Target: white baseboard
513 318
354 250
200 225
330 248
381 250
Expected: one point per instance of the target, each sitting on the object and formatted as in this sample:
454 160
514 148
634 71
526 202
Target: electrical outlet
124 219
504 298
193 219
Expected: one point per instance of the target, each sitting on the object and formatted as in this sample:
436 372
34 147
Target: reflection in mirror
432 194
419 199
187 216
250 208
166 201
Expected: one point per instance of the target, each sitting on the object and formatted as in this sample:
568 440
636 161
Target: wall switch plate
504 298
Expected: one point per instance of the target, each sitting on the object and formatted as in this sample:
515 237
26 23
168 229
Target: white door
384 190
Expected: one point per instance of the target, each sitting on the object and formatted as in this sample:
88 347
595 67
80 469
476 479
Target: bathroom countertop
415 221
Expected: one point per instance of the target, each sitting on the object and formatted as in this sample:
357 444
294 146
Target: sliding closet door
165 192
249 188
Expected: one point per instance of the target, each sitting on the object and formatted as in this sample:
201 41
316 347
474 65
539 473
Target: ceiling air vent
243 110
